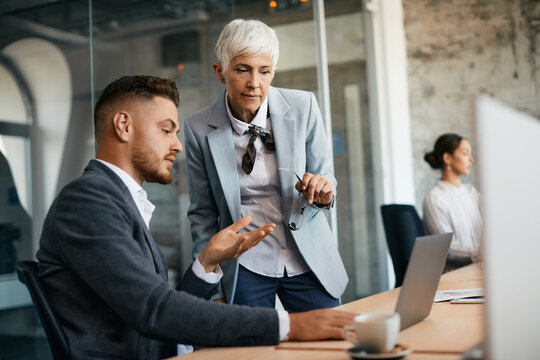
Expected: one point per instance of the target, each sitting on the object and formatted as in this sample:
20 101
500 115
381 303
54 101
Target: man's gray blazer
107 281
214 188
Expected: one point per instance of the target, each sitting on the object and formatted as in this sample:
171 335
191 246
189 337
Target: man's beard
148 164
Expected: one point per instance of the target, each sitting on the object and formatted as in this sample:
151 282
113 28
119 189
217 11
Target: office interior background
390 77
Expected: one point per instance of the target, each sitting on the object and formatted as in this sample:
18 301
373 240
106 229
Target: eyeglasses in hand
298 218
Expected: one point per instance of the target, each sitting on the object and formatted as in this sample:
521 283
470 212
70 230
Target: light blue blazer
301 145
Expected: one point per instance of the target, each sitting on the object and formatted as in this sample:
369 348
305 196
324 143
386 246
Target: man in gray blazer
105 276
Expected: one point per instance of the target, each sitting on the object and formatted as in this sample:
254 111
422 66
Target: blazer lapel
284 129
157 256
159 259
221 144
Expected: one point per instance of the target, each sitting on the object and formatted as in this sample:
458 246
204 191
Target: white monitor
509 162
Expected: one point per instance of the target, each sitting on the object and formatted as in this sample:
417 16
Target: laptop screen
422 278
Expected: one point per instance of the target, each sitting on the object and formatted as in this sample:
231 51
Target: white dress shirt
449 208
146 208
277 251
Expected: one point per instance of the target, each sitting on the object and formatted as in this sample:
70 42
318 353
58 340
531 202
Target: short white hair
246 37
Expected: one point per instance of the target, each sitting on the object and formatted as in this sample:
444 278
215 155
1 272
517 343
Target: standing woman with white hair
262 151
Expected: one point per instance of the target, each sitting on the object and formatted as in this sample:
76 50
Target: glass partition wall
57 56
45 121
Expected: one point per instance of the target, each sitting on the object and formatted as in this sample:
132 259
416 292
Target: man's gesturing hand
319 324
228 244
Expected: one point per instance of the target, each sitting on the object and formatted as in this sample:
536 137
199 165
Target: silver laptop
422 278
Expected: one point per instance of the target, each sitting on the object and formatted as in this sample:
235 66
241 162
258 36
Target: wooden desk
445 334
272 353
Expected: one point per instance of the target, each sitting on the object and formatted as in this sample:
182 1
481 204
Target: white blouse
277 252
449 208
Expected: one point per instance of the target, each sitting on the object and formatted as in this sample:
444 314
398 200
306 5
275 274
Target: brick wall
457 49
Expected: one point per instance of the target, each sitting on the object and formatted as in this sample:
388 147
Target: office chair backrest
402 225
28 275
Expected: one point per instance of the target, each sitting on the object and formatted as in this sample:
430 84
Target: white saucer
358 353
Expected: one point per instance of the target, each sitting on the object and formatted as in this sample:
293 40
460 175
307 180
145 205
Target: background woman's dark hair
446 143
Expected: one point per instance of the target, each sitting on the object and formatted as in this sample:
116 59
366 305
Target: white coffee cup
375 331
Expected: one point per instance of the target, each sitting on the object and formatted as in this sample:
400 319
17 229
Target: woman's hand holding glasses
311 189
314 187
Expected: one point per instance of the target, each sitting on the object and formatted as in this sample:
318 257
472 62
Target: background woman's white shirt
449 208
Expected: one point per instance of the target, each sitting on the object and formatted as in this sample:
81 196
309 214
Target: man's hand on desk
319 324
228 244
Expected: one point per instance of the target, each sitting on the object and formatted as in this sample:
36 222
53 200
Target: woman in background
452 206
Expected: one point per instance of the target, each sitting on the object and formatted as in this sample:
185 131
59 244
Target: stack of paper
448 295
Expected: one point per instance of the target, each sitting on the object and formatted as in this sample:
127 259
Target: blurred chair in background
402 225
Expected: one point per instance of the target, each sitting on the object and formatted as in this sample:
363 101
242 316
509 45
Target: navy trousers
297 293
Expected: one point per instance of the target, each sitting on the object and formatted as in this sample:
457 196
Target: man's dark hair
137 86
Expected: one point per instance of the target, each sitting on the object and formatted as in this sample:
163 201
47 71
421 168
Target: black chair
28 275
402 225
